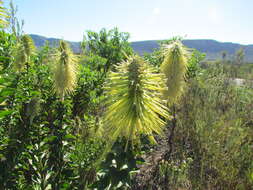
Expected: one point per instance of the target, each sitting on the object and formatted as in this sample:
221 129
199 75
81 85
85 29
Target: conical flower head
23 51
134 104
28 45
65 70
20 57
174 67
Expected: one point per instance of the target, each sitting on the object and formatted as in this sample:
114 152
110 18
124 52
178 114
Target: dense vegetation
110 119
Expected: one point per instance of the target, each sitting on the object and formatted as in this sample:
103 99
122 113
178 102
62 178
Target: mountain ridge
212 48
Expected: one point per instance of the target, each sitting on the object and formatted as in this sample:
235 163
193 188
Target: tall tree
112 45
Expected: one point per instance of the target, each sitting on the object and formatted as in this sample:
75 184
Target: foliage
112 45
88 94
7 43
155 58
215 120
193 68
119 167
175 172
3 16
78 137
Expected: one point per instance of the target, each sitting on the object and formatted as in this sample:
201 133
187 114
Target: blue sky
222 20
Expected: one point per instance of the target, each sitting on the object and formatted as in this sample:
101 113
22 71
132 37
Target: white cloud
154 16
156 11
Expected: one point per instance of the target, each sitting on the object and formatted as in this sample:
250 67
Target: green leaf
50 139
69 136
5 113
6 92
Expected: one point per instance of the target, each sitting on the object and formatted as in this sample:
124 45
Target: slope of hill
212 48
40 41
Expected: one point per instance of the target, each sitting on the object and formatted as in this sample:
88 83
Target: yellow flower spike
23 51
174 67
28 45
65 71
134 101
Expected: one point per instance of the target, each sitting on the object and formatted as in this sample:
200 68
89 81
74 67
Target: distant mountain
41 40
212 48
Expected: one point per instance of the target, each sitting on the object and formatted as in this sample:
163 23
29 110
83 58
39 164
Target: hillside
212 48
40 41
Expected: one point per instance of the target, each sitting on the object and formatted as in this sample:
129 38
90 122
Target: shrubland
110 119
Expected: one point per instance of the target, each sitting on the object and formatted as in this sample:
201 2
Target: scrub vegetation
109 119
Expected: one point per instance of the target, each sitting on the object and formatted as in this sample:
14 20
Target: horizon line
242 44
